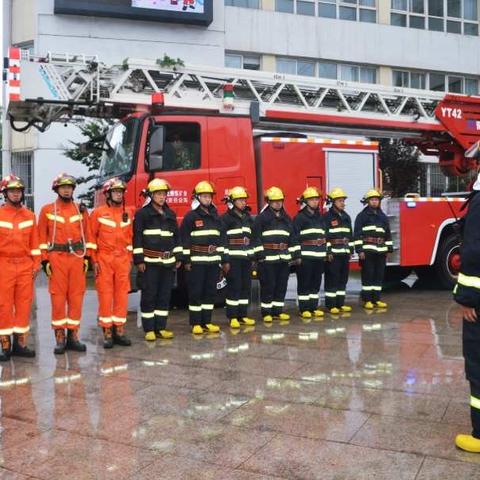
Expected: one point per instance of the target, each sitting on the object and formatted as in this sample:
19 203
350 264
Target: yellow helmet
236 193
203 187
158 185
310 192
273 194
336 193
373 193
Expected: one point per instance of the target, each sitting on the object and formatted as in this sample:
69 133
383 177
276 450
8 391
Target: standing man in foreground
19 265
467 294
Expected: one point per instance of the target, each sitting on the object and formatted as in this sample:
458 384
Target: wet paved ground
377 396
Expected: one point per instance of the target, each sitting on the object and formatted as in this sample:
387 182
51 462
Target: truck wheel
447 263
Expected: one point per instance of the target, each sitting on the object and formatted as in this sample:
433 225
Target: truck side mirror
155 150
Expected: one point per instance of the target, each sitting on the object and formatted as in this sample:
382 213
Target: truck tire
447 263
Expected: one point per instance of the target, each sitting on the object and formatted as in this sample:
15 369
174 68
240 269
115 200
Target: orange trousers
16 294
113 285
67 288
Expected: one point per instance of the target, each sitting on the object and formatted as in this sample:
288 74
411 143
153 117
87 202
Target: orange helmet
63 179
11 181
113 184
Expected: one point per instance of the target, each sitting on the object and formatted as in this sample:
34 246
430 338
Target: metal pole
6 129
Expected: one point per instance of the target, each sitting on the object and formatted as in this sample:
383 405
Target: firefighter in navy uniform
275 247
237 231
310 230
339 249
373 241
157 254
467 294
203 252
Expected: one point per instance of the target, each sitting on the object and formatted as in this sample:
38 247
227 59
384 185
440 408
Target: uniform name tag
199 223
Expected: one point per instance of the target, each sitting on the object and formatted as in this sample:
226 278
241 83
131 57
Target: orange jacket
19 234
110 231
61 223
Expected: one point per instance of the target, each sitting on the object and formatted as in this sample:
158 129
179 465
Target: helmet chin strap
14 203
65 199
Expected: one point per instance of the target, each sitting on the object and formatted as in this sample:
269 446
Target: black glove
47 268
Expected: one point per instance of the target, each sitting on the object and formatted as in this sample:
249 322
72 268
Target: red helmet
113 184
11 181
63 179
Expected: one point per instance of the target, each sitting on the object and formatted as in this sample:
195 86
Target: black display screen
196 12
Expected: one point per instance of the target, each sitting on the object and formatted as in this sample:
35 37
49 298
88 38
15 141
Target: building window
285 6
22 165
245 61
452 16
293 66
352 10
243 3
300 7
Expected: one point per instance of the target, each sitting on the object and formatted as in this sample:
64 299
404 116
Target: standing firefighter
339 250
467 294
64 232
373 241
203 252
275 247
310 230
111 227
157 253
19 264
237 226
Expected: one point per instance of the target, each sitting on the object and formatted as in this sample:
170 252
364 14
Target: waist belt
156 254
339 241
66 247
203 248
376 240
318 243
239 241
275 246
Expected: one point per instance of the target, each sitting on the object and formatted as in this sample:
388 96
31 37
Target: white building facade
426 44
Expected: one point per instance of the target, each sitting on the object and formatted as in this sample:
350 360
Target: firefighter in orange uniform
111 227
64 240
19 264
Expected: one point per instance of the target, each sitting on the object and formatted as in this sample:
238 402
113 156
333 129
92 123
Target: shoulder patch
199 223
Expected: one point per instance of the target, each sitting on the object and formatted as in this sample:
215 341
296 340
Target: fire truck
257 129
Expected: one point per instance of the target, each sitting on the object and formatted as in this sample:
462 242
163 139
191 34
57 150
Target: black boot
107 337
20 348
73 342
5 348
119 336
60 341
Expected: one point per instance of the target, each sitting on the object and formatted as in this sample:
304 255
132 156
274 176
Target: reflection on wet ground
371 395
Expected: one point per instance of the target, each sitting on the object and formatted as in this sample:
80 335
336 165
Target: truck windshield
119 149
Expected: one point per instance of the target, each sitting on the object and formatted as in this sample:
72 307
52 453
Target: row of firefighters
68 241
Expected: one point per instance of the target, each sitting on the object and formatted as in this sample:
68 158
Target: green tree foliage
89 153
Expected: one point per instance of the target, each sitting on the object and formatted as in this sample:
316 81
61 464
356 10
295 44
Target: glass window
454 8
349 1
471 86
367 3
369 16
368 75
437 82
287 65
306 68
400 79
327 10
455 84
399 5
417 22
417 6
182 146
470 9
470 28
285 6
435 8
454 27
233 61
418 80
305 8
348 13
251 62
398 20
349 73
435 24
327 70
22 165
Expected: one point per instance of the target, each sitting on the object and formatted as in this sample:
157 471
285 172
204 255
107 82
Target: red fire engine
258 129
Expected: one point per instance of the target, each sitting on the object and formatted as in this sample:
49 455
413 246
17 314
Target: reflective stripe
341 292
158 231
294 248
233 303
374 247
330 294
314 296
311 253
215 258
271 258
340 230
105 319
58 323
107 222
243 301
92 246
161 313
35 252
177 250
475 402
373 228
138 251
6 331
55 218
75 218
129 248
204 233
43 246
195 308
125 224
25 224
207 306
304 297
238 231
147 314
221 249
159 260
377 289
186 251
340 250
238 253
268 233
312 230
358 242
389 243
21 329
73 322
367 289
266 305
119 319
278 304
258 249
6 225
